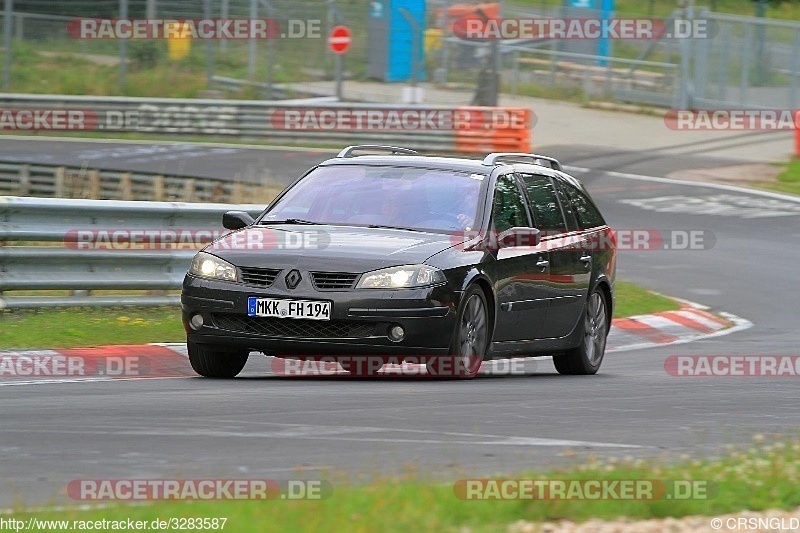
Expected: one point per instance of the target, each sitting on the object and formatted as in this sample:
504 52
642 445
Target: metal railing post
8 19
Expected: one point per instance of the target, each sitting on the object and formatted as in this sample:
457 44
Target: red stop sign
339 39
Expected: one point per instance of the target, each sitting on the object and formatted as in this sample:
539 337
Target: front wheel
586 357
470 339
214 362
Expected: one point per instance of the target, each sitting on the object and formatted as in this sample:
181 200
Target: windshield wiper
382 226
290 221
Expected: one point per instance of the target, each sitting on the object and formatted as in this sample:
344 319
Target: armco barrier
419 127
33 265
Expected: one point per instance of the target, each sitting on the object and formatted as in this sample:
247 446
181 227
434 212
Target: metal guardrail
44 256
54 181
245 119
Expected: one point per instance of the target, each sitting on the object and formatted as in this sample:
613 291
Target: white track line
672 181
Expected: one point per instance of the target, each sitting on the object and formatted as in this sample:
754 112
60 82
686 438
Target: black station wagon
397 256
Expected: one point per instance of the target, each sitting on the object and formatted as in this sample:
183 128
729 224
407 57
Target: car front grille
263 277
334 280
294 328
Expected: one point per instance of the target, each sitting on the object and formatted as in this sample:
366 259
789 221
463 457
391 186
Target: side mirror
236 220
518 236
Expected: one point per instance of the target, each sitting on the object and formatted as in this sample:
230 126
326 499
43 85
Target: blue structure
396 40
604 9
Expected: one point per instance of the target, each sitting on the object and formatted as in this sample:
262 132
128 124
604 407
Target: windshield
403 197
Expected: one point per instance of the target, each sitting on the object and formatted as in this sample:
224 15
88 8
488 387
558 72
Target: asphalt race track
168 158
271 427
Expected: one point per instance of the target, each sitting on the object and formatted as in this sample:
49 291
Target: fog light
196 322
396 333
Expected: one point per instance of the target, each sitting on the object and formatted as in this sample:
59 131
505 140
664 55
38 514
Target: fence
47 256
321 123
303 57
745 62
751 63
748 62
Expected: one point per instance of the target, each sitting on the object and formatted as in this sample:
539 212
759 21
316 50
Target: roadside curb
99 363
691 322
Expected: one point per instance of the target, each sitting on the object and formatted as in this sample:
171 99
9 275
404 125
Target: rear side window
587 213
508 209
544 204
566 205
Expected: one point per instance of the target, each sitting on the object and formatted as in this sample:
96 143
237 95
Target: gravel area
767 521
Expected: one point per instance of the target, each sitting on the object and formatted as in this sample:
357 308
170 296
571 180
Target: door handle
586 259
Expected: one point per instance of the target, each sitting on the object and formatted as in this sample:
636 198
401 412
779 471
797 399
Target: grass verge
788 181
763 476
634 300
69 328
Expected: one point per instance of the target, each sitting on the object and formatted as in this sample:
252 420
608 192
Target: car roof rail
348 152
492 158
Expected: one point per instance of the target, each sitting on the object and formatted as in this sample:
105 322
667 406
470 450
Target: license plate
281 308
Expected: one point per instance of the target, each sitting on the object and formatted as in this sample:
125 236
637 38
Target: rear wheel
586 358
470 339
215 362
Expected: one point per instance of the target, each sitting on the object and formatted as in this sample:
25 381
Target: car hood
327 248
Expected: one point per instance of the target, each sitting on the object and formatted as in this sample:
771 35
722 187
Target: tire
586 358
470 342
214 362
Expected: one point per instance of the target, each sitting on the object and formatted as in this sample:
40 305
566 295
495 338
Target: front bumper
359 325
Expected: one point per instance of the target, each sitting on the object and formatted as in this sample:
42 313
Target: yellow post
179 40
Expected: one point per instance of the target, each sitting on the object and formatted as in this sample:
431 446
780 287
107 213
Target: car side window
544 204
508 209
566 206
586 212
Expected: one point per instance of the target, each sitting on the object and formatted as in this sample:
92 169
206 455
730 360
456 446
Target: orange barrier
493 129
796 135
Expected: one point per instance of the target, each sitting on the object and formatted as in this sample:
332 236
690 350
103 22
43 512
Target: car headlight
401 277
210 266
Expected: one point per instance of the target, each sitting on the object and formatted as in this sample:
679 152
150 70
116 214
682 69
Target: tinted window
586 212
544 204
508 209
566 205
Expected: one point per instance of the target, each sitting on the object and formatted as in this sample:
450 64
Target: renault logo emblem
293 278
